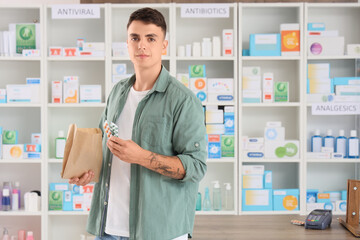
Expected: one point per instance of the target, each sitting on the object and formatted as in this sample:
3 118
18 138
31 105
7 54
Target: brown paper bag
83 152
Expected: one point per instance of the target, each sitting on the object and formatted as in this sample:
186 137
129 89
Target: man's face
146 43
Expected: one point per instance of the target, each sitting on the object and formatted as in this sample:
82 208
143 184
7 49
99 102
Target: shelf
19 213
68 213
269 212
76 105
265 58
264 160
205 58
279 104
341 160
64 59
55 160
219 103
12 105
332 57
20 58
20 160
128 58
215 213
221 160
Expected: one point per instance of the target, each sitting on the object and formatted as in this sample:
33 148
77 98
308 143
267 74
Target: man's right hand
84 179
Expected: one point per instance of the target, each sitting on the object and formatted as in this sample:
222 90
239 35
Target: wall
38 1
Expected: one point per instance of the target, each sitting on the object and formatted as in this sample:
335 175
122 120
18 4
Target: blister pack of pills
111 129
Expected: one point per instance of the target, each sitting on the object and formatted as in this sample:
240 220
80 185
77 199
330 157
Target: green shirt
169 120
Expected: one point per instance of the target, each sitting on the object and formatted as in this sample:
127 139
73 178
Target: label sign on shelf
335 108
75 11
205 11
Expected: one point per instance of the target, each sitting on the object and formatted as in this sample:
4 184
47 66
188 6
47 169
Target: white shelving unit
48 118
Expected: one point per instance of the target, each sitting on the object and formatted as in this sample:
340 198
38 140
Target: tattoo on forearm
162 168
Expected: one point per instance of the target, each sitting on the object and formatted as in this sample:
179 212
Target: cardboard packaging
282 149
265 45
257 200
290 39
325 46
71 89
286 199
227 146
214 146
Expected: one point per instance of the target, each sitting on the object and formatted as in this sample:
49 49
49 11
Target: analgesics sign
335 108
205 11
75 11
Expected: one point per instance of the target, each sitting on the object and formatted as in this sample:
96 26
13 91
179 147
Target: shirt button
105 203
196 144
109 164
106 184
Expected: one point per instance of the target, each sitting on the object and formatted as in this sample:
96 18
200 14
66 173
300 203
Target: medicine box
55 200
251 96
329 206
32 155
251 82
198 84
227 146
214 116
253 169
334 195
344 195
290 39
13 151
56 92
228 42
268 87
311 195
281 91
87 193
32 147
274 134
229 120
265 45
3 98
318 70
320 98
58 186
71 89
313 206
316 27
344 81
68 201
34 84
323 197
18 93
78 202
353 49
286 199
340 206
282 149
197 71
268 179
90 93
56 51
254 148
183 78
257 200
36 138
215 128
214 146
119 68
10 137
320 86
201 95
253 181
325 46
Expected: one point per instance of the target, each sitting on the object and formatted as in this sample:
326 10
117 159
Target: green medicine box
197 71
227 146
281 91
10 137
55 200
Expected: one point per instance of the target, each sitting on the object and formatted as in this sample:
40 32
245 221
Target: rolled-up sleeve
189 139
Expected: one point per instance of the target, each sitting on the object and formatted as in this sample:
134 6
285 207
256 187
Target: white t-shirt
117 220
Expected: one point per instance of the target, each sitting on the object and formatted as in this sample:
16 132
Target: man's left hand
126 150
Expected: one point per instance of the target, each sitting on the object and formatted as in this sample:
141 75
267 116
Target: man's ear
165 44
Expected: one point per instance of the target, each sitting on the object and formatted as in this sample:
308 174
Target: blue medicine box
342 81
265 45
286 199
344 195
214 150
311 195
268 179
316 26
257 200
67 201
229 123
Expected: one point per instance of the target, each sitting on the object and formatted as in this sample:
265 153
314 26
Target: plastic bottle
17 187
340 143
196 51
198 202
353 145
6 235
216 196
60 142
15 200
30 235
21 235
206 47
329 140
207 202
216 46
6 200
316 142
228 197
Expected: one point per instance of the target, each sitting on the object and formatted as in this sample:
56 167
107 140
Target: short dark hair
148 16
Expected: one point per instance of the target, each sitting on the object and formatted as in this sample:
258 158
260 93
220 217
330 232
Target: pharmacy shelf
76 105
205 58
12 105
128 58
270 58
332 57
221 160
269 212
215 213
19 213
20 58
264 160
279 104
66 59
20 161
68 213
55 160
218 103
342 160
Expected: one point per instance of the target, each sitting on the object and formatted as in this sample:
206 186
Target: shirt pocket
153 131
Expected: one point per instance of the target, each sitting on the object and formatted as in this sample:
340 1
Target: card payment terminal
318 219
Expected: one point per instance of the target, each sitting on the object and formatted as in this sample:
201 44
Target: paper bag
83 152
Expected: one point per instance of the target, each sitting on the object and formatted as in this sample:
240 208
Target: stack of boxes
271 91
66 197
11 150
220 130
119 72
212 90
258 195
22 93
83 49
330 200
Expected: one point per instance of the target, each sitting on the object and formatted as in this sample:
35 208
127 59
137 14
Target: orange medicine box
290 39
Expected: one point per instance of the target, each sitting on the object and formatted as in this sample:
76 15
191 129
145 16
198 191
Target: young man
149 179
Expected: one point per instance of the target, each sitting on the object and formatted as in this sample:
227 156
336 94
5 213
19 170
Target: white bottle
188 50
196 51
216 46
329 140
60 142
216 196
181 51
206 47
353 145
340 143
15 200
228 197
228 42
316 142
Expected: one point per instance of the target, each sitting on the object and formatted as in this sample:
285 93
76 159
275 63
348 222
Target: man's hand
126 150
84 179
